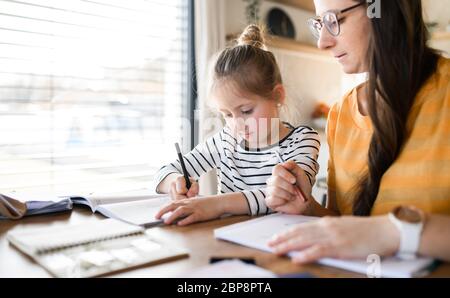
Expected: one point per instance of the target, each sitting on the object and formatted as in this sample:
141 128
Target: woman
388 139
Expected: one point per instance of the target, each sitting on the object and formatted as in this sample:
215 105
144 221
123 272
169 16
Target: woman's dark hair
399 64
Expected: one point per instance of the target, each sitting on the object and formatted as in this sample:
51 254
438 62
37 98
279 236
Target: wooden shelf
282 43
302 4
440 35
293 45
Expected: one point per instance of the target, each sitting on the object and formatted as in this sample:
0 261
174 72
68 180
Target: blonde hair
248 64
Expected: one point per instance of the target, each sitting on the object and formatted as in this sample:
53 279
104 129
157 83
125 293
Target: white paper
229 269
140 212
257 232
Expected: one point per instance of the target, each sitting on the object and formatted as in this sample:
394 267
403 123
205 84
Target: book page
96 199
140 212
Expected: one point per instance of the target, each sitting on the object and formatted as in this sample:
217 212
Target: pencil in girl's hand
297 189
183 167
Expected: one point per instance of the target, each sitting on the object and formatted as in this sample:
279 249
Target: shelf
302 4
440 35
283 43
293 45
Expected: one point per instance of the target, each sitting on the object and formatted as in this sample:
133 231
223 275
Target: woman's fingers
281 183
312 254
274 202
305 230
282 237
280 171
302 180
297 243
280 193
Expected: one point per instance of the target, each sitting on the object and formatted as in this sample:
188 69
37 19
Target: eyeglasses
330 20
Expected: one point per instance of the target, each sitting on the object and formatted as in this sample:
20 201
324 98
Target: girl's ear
279 94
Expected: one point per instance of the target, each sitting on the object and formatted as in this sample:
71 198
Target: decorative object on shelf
320 115
279 23
252 11
432 26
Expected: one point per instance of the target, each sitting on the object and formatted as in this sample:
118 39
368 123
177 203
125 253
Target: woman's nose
326 40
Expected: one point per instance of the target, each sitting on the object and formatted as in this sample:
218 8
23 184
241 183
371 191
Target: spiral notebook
93 248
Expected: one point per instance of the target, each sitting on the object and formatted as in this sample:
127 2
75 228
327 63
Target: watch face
408 214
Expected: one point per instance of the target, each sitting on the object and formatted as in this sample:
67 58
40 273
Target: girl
247 89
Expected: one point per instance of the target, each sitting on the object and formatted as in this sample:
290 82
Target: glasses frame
335 15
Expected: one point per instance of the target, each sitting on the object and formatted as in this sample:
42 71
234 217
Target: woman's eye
247 112
227 115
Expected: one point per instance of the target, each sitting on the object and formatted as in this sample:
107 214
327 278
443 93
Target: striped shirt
420 176
244 170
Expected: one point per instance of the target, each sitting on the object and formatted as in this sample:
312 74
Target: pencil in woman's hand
297 189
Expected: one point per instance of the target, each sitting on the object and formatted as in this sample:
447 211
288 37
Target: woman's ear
279 94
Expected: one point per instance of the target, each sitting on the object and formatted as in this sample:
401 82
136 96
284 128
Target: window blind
92 93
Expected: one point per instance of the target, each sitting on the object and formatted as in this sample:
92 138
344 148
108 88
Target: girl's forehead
228 95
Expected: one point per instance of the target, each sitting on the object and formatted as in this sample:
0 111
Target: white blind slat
92 93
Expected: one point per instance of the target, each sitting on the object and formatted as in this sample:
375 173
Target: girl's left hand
192 210
347 237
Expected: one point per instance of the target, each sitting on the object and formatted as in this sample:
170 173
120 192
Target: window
92 93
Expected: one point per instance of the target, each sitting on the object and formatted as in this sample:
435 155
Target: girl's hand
346 237
179 191
192 210
281 193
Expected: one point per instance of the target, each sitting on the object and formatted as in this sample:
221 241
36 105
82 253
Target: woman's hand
192 210
347 237
281 193
179 191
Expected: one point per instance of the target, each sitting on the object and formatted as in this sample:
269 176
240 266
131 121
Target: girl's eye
247 112
227 115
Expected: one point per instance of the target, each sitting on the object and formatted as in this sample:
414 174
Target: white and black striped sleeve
202 159
256 200
305 151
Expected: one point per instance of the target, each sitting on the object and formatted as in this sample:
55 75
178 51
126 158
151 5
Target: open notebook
92 248
257 232
138 208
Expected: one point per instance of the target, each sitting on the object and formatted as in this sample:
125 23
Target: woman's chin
349 68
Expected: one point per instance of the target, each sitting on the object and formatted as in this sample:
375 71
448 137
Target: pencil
298 190
183 167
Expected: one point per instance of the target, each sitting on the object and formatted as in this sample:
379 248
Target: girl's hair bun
252 36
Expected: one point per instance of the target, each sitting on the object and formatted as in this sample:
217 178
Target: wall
307 80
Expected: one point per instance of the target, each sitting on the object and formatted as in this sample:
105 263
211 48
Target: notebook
138 208
229 269
257 232
92 249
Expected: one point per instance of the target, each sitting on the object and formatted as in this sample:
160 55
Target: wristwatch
409 222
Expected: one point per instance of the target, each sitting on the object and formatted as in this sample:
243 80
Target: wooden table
197 238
